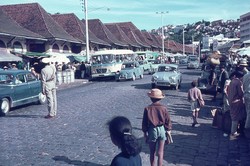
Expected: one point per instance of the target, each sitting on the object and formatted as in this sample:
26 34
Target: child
156 122
121 135
195 98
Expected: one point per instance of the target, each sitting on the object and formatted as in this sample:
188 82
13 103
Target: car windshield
193 59
155 61
166 69
128 65
6 79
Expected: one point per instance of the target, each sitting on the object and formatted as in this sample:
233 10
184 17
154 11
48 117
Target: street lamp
162 29
183 42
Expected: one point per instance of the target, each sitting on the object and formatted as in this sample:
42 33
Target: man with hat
243 66
48 77
155 123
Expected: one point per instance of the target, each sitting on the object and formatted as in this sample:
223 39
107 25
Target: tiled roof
120 34
75 27
157 39
150 39
102 32
33 17
132 31
11 28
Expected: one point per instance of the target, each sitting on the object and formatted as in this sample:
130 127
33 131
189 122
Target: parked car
129 71
154 65
168 75
19 87
183 60
193 63
203 80
145 65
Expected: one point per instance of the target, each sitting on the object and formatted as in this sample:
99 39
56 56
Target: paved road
79 135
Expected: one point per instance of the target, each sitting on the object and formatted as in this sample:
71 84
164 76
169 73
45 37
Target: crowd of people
233 84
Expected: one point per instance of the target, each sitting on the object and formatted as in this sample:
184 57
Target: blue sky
143 12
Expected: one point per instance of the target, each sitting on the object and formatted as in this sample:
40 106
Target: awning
78 58
5 56
32 54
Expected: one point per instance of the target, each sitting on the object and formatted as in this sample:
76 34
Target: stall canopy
5 56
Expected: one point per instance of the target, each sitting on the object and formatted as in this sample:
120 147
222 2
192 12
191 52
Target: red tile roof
12 28
33 17
75 27
120 34
102 32
135 33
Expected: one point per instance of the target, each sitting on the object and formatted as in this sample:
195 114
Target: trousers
51 101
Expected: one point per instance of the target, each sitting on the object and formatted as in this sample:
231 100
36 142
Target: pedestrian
64 66
48 78
155 123
196 100
235 98
213 82
243 66
82 69
120 130
13 66
222 79
246 89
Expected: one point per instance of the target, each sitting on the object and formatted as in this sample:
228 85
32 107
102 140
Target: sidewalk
77 82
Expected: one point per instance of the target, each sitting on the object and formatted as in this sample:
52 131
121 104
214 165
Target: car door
34 85
21 89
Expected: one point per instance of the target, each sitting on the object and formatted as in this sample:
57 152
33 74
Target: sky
145 14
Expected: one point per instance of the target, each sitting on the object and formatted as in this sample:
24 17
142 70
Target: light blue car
129 71
168 75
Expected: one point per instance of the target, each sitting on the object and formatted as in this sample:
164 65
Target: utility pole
162 29
87 29
183 42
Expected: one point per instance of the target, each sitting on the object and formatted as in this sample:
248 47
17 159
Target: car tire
41 98
153 86
5 107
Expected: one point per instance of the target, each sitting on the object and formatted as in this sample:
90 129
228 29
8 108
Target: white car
167 75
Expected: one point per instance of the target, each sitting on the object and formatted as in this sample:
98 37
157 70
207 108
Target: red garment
235 98
156 114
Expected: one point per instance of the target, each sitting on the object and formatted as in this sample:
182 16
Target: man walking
82 69
48 77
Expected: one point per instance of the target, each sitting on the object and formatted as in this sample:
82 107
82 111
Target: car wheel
133 77
5 106
41 98
153 86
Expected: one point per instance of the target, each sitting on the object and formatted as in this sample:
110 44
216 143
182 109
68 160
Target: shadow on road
75 162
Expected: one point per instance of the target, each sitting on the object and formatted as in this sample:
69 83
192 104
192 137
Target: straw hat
45 60
243 62
156 94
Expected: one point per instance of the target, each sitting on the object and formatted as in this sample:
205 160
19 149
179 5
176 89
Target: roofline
8 34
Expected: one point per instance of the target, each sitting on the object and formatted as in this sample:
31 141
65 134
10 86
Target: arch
2 44
55 48
17 46
65 49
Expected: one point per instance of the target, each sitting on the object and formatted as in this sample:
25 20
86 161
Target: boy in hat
156 122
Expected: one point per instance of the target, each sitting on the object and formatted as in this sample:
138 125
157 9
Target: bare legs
160 153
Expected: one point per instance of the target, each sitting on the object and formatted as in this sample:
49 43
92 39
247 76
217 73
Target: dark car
19 87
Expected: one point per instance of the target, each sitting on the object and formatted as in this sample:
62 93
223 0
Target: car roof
14 72
169 65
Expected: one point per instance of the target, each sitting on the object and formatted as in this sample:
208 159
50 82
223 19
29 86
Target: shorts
194 106
156 133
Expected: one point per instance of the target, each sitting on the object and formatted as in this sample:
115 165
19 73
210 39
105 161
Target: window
30 77
20 79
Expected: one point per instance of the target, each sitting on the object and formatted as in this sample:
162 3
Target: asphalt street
79 135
